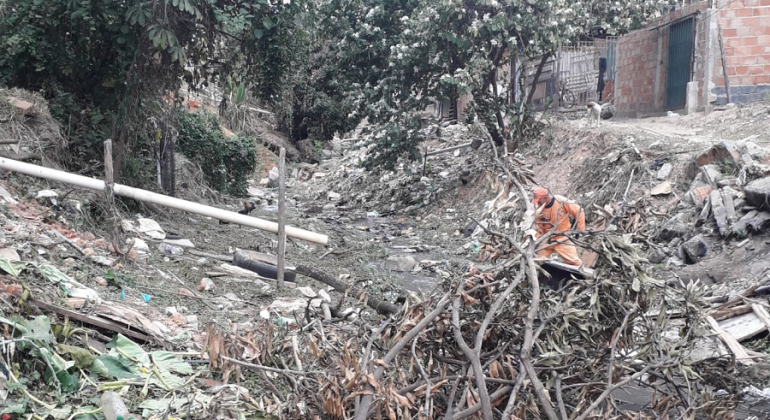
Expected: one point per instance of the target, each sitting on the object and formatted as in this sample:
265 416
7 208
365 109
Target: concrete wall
640 84
745 29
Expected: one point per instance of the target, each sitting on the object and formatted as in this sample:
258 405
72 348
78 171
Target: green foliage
395 58
106 66
226 162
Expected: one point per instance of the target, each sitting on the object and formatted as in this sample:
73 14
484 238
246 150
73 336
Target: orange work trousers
566 251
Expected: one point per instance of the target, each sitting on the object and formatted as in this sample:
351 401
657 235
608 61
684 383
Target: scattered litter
206 284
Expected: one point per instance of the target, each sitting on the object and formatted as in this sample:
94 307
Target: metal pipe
164 200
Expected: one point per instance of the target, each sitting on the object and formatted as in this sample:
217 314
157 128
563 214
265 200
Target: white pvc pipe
164 200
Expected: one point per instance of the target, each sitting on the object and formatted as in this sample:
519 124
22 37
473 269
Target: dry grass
37 133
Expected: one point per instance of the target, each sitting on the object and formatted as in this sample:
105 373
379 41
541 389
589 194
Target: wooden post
108 174
281 215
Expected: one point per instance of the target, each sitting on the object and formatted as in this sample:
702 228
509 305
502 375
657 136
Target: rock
273 178
88 236
674 227
133 255
171 311
25 107
711 174
657 256
333 196
307 291
100 243
754 221
695 249
723 153
665 171
101 281
720 212
401 263
69 261
758 193
89 252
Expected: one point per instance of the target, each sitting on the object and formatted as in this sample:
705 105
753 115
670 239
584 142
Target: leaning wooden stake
281 215
164 200
108 172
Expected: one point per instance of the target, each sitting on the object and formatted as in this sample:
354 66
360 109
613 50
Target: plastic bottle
113 407
170 249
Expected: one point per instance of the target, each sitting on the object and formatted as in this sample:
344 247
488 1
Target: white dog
594 113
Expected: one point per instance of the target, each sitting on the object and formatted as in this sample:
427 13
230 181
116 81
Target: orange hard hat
540 192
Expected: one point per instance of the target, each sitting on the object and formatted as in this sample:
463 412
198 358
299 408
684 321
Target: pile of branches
496 345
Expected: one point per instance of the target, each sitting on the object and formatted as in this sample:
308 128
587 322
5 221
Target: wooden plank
762 314
743 327
723 314
97 322
738 350
281 216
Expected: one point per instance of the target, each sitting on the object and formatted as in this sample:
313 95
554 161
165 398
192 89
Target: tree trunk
537 76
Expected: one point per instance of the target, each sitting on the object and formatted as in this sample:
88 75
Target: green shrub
226 162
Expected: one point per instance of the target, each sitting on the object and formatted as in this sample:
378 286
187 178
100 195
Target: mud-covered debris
401 263
758 193
695 250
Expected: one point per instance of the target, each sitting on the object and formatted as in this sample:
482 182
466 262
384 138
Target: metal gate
680 39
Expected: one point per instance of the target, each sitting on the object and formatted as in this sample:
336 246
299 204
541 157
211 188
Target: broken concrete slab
704 213
710 174
758 193
720 212
674 227
695 249
400 263
723 153
727 198
665 171
753 222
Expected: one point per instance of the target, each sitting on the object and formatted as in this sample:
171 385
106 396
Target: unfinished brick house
676 63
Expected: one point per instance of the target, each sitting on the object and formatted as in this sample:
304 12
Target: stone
401 263
101 281
723 153
758 193
665 171
140 245
695 250
727 197
178 319
711 174
69 261
674 227
133 255
272 178
100 243
88 236
657 256
89 252
754 221
720 212
333 196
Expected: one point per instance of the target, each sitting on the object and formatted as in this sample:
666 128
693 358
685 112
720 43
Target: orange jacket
559 215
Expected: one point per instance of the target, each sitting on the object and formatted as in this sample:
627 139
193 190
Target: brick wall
640 85
745 28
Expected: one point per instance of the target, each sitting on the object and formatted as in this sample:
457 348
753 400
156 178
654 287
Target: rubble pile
341 182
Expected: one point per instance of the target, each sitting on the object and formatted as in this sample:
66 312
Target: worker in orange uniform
556 210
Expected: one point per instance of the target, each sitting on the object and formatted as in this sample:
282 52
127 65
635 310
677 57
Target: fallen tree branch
486 404
366 401
381 306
